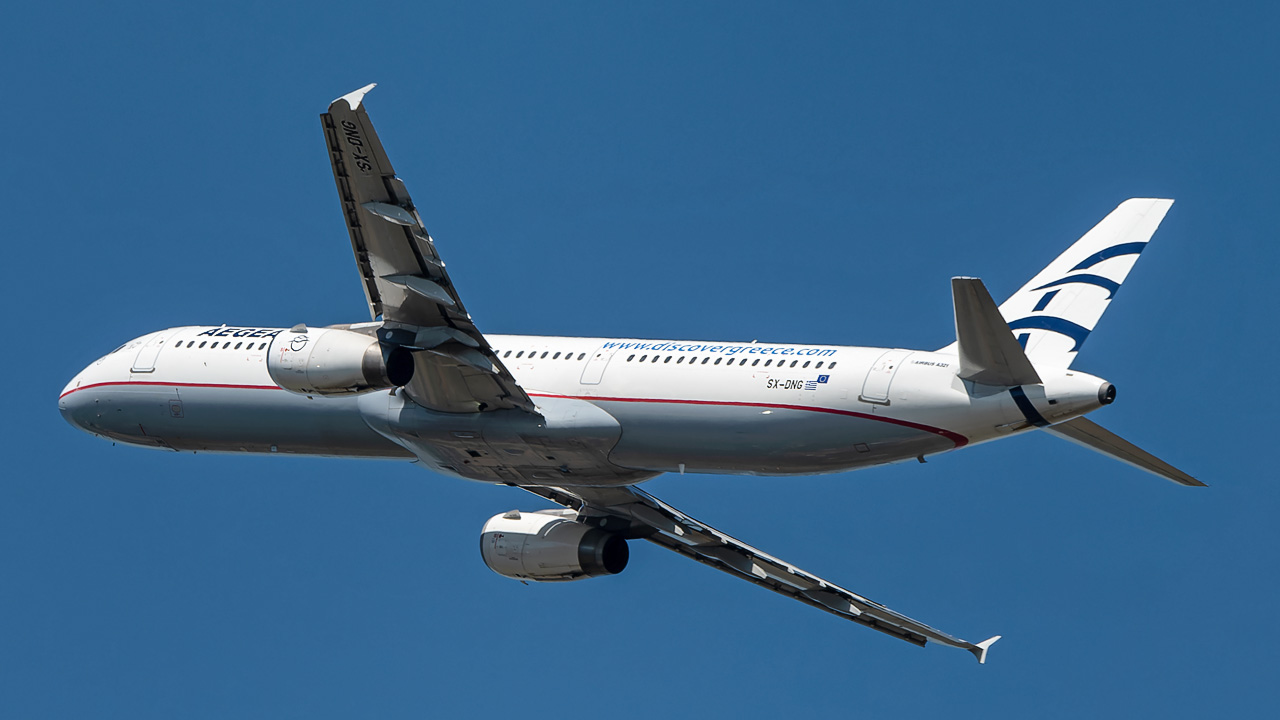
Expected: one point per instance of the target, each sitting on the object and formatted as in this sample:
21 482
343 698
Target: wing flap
663 525
404 279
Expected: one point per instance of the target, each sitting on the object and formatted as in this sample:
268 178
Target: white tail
1053 314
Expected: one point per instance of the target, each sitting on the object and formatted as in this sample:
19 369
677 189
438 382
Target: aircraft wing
405 282
638 514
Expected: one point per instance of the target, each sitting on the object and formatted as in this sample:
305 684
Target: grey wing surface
405 282
630 510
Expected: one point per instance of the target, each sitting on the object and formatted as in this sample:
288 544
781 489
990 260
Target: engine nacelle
320 361
550 545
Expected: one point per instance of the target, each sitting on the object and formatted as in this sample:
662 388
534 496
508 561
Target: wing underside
456 370
663 525
404 279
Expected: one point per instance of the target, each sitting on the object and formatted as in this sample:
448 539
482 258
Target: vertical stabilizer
1053 314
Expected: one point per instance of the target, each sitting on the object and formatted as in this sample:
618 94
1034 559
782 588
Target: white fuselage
611 411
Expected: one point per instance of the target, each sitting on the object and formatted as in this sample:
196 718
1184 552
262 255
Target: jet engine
549 546
320 361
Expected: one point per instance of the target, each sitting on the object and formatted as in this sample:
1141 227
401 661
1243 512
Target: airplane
582 422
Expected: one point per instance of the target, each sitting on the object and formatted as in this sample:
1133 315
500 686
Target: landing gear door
594 371
145 362
875 389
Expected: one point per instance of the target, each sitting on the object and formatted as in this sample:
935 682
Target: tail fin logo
1077 333
1111 286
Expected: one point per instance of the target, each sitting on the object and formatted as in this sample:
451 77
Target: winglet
980 650
354 97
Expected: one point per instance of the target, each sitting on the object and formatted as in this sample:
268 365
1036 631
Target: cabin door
875 389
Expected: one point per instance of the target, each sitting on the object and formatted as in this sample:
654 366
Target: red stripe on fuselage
155 383
956 438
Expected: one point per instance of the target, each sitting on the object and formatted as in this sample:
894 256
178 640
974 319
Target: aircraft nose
76 407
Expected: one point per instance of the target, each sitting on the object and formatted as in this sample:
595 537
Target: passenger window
191 343
818 366
705 360
643 358
556 356
630 358
581 355
806 364
832 366
238 345
508 354
667 360
655 358
755 362
744 362
202 342
693 360
793 363
262 346
520 354
679 359
544 354
768 362
226 345
718 360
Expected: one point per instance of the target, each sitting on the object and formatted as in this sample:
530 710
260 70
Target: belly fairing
568 444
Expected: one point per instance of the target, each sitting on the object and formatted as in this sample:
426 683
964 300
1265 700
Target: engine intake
319 361
550 546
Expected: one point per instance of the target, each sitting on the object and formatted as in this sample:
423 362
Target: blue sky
794 173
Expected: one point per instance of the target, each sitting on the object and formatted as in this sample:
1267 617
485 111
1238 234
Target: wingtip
980 649
354 97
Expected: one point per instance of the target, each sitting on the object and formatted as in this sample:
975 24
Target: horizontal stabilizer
989 354
1091 435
